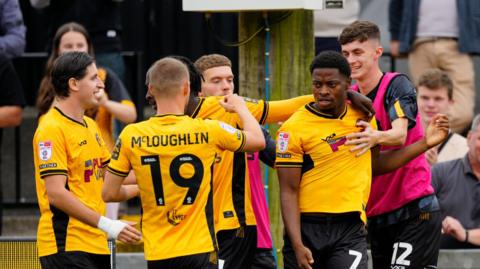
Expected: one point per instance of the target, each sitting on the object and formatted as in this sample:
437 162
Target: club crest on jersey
282 141
174 218
333 142
45 150
227 127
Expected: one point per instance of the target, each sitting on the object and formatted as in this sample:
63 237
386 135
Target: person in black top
11 106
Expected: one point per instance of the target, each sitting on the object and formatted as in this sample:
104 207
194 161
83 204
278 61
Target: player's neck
367 83
170 106
71 108
334 112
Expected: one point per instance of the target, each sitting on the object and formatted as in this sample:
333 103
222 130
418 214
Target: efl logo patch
227 127
45 150
282 141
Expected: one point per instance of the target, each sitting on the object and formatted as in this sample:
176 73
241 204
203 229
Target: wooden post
291 51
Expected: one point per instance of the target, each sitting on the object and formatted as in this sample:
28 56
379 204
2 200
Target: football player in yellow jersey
233 212
70 157
216 70
173 157
324 186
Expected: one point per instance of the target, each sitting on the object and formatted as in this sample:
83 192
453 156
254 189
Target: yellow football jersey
63 146
232 197
333 179
173 158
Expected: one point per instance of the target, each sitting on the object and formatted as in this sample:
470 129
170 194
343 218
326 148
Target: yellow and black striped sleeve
51 152
242 145
53 172
117 172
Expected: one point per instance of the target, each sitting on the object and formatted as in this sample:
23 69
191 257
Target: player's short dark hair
195 75
434 79
359 31
66 66
331 59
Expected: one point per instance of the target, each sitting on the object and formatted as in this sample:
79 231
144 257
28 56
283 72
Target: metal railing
22 253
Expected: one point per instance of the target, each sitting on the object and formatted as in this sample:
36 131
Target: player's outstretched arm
115 191
436 132
289 186
254 140
61 198
282 110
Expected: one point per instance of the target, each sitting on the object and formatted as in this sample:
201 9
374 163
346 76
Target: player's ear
186 88
378 52
73 84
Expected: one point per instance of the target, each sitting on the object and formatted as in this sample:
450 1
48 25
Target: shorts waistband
329 217
427 203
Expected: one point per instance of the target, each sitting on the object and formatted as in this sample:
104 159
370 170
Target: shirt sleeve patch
228 127
45 150
250 100
116 150
283 141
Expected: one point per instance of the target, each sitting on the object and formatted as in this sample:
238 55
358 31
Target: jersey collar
312 109
84 123
197 109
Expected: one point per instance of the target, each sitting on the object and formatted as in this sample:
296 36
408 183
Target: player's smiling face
90 87
362 57
329 88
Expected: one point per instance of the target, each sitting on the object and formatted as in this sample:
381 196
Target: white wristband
111 227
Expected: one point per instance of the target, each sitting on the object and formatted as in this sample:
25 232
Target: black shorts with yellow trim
75 260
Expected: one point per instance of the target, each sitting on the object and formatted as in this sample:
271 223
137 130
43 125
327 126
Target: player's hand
432 156
129 234
233 103
362 141
361 103
437 131
102 97
394 48
304 257
454 228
